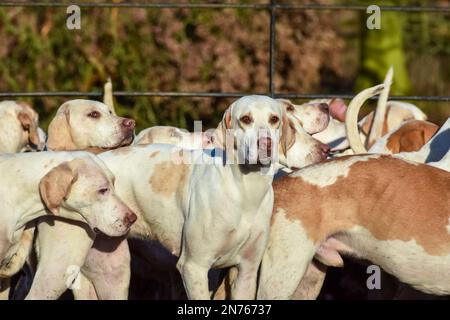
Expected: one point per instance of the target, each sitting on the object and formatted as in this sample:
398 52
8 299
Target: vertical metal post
272 44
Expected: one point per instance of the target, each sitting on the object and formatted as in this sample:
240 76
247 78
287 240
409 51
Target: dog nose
265 143
324 107
128 123
130 218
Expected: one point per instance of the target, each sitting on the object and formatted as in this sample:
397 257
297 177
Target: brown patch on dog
407 202
411 136
154 154
168 177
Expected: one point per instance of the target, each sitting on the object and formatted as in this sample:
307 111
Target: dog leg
62 250
245 284
195 279
312 282
244 287
85 290
288 254
107 267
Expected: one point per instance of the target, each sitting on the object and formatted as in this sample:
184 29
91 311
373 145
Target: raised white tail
351 118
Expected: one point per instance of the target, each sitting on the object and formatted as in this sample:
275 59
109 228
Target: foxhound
72 186
363 214
176 203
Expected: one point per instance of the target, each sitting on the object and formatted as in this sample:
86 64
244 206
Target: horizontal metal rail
203 95
260 6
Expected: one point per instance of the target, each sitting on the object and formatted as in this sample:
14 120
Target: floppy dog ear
55 186
287 138
221 131
288 105
26 120
59 136
227 119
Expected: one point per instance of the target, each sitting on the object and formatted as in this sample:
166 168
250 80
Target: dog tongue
338 108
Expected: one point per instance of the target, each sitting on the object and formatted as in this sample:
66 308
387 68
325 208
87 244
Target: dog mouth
101 234
127 140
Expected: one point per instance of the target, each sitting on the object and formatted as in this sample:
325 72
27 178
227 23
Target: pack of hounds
90 208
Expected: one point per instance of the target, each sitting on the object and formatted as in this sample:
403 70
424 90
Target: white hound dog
74 186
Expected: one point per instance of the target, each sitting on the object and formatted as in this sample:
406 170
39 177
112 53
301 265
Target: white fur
327 174
414 266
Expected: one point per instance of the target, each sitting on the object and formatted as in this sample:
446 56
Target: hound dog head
84 124
256 127
85 186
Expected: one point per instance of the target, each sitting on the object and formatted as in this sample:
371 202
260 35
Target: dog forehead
83 105
256 103
92 169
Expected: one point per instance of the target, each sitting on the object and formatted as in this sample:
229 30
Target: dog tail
108 96
376 130
351 118
17 256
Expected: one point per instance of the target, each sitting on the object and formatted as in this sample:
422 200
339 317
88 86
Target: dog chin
127 140
111 232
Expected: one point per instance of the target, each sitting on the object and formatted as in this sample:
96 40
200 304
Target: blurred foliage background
223 50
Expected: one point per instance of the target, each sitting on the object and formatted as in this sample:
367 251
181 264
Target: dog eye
103 191
274 120
94 114
246 119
